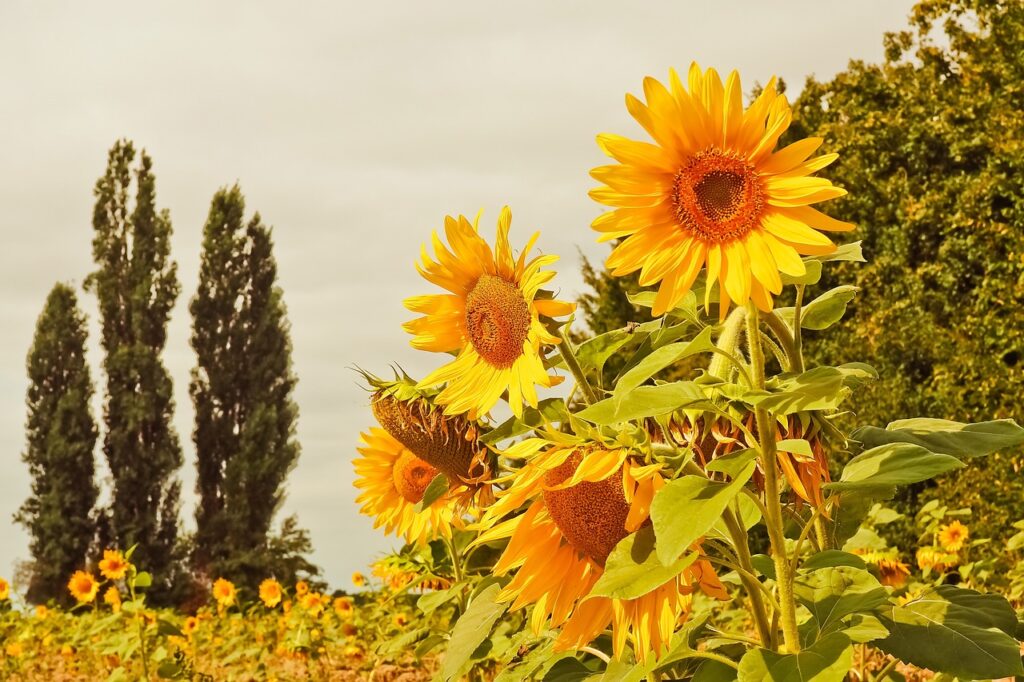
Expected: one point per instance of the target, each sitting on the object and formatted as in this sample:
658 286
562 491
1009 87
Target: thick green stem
750 583
785 337
773 501
728 344
798 350
569 356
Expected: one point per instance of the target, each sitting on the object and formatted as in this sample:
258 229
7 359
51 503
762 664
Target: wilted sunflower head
712 192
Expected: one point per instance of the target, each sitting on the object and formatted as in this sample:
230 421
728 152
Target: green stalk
798 350
728 344
773 502
565 349
750 583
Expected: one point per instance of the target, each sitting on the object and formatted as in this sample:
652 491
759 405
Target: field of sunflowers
690 505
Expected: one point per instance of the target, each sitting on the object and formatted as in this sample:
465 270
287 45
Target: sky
353 128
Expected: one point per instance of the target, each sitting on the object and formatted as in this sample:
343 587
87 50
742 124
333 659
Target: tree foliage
136 285
242 391
61 436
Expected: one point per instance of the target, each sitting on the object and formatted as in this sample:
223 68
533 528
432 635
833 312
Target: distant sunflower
270 593
113 565
301 588
712 191
224 592
585 499
313 603
953 536
5 590
112 598
83 587
891 571
491 319
358 579
393 481
343 607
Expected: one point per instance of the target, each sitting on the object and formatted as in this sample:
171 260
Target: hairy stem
751 584
568 354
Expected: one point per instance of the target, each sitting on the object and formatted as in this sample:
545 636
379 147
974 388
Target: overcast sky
353 128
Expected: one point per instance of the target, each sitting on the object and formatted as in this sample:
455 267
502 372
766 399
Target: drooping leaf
827 309
832 557
891 465
644 401
946 437
687 508
957 631
661 358
850 252
471 629
821 388
633 568
830 659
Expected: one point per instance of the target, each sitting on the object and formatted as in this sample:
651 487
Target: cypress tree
61 436
242 391
136 285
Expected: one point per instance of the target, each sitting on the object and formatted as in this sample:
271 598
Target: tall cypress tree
136 284
61 436
242 391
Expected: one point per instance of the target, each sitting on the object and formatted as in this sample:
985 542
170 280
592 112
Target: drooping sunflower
270 593
953 536
393 481
113 565
491 319
712 191
83 587
584 499
891 571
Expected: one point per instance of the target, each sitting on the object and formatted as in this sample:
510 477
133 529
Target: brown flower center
497 320
591 516
412 476
717 197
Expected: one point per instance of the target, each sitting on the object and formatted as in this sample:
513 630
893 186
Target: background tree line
931 149
241 388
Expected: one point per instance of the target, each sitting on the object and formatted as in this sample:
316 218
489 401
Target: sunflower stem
798 350
752 586
568 354
727 345
785 337
773 502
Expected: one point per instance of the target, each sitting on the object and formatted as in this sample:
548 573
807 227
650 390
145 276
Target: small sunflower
343 607
932 559
393 481
491 319
313 603
113 565
112 598
5 590
42 611
711 191
953 536
190 625
224 592
301 588
400 620
891 571
583 500
358 579
270 593
83 587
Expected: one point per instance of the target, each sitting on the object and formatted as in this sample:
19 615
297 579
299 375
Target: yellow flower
42 612
270 592
584 499
113 565
953 536
712 191
400 620
224 592
5 589
190 625
14 649
343 607
113 598
313 602
929 558
891 571
358 579
301 588
491 319
393 481
67 651
83 587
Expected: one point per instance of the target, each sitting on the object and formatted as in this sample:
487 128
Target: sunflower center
717 196
591 516
497 320
412 476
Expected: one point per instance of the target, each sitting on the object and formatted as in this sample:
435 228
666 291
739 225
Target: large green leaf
827 309
833 593
688 507
821 388
661 358
946 437
644 401
893 464
832 557
471 630
828 660
956 631
633 568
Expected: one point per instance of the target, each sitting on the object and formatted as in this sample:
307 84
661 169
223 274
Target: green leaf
833 557
811 276
846 252
547 411
644 401
143 579
568 670
169 670
733 463
893 464
471 630
688 507
833 593
830 659
633 568
955 631
681 648
164 627
946 437
431 601
863 628
433 492
798 446
827 309
821 388
661 358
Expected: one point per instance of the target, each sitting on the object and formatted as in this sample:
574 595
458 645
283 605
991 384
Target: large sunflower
712 191
584 499
490 319
393 481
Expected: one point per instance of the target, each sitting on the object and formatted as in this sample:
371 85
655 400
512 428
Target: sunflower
313 603
5 590
190 625
953 536
400 620
932 559
583 499
42 611
712 191
224 592
491 319
301 588
343 607
113 565
358 579
83 587
112 598
891 571
270 592
393 481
